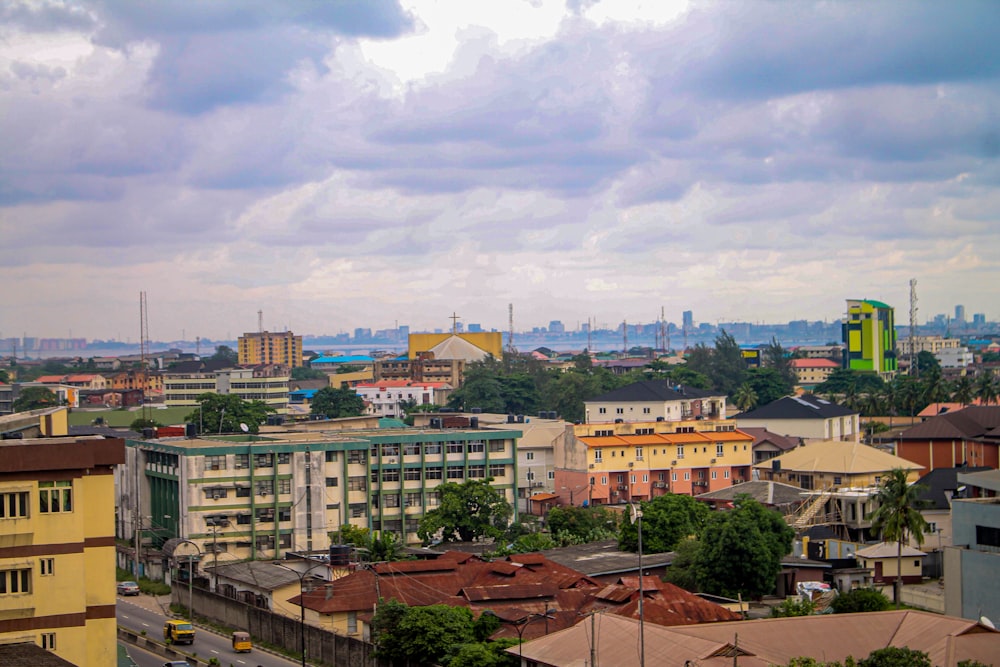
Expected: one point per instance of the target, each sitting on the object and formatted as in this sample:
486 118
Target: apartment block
267 347
57 546
184 382
625 462
655 399
869 332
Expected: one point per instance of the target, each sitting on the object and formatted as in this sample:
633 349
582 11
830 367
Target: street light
522 623
190 560
302 603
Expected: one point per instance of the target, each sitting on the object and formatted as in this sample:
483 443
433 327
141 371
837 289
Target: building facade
620 463
653 400
267 347
389 398
57 546
869 332
183 383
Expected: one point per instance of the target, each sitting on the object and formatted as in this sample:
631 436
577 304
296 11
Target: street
137 614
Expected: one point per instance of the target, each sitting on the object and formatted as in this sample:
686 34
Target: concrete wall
322 647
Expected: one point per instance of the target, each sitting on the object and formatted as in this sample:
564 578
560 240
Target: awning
543 497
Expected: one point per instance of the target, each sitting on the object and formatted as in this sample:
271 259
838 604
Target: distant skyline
383 162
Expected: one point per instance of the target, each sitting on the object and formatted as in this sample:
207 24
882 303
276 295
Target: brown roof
28 654
973 423
762 435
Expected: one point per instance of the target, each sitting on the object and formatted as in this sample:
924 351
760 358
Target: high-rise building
267 347
57 546
688 320
869 332
556 326
960 313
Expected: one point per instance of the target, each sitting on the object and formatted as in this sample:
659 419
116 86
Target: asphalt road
206 644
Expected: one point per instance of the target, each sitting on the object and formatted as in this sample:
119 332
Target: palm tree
898 517
964 391
745 397
986 388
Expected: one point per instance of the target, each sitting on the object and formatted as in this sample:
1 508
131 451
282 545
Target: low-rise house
654 400
808 417
784 498
388 398
767 445
833 464
883 560
261 584
957 437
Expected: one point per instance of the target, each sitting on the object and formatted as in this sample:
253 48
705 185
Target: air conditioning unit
394 460
713 461
659 485
591 466
630 464
673 463
622 487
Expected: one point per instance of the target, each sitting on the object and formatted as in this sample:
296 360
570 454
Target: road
206 644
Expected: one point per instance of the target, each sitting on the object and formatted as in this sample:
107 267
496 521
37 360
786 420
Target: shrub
793 607
860 599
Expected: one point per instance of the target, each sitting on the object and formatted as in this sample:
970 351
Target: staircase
811 509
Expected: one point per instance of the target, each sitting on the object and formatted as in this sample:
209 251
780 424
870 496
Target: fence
322 646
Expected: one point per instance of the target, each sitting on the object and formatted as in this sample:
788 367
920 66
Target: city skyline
384 162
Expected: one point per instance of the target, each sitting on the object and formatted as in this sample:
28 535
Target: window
476 447
411 449
265 542
433 472
456 472
285 486
411 473
55 497
216 492
632 479
15 581
530 475
497 470
720 449
242 461
454 448
916 563
645 478
390 475
14 505
390 500
243 519
619 411
673 477
878 479
331 481
680 451
49 641
265 515
638 453
725 474
358 510
645 411
46 566
285 540
687 476
352 622
330 456
602 411
496 446
356 456
715 474
477 471
931 527
621 479
598 456
263 460
529 456
285 514
358 483
412 499
836 480
433 499
551 475
604 479
432 448
390 450
242 491
265 487
215 462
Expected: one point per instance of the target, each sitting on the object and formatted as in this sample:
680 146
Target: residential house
57 547
962 437
767 445
388 398
654 400
883 560
970 566
262 584
811 372
784 498
607 639
620 463
808 417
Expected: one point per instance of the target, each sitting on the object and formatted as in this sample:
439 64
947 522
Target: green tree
741 550
858 600
768 384
898 516
577 525
936 389
689 378
776 358
986 388
927 362
4 377
467 512
896 656
745 397
793 607
307 373
226 354
666 521
223 413
422 635
681 571
728 369
964 391
336 403
138 424
35 398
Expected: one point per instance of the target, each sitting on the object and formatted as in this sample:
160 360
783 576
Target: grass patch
147 586
123 418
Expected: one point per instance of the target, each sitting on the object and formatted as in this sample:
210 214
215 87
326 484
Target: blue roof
305 393
349 359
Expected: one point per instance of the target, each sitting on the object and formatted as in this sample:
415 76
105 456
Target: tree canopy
336 403
35 398
666 521
768 384
423 635
223 413
467 511
307 373
577 525
897 515
741 550
226 354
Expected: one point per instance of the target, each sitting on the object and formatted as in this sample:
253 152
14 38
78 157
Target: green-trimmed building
870 338
255 497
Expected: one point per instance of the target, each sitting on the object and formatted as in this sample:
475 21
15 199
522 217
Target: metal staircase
803 519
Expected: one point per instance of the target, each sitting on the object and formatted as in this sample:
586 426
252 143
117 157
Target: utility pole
914 371
136 521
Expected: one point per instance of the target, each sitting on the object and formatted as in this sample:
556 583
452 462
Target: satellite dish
244 427
987 622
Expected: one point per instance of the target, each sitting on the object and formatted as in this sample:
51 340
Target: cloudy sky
372 162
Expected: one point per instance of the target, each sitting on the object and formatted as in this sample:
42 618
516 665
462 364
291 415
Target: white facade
386 399
830 428
955 357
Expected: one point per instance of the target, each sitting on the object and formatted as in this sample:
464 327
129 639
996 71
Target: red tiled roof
814 363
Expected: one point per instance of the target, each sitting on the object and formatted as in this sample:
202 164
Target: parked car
128 588
177 663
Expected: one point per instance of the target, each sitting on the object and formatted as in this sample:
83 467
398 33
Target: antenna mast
143 352
914 371
511 350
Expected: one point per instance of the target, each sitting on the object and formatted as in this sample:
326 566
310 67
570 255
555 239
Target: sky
374 163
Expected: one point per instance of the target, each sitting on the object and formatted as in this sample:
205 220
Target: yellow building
57 546
467 346
834 464
268 347
617 463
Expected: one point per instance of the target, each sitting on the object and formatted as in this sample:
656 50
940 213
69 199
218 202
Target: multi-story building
970 566
57 546
268 347
389 398
808 416
932 344
184 382
622 462
655 399
869 332
241 497
811 372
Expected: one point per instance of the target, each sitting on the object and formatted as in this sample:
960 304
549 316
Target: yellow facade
268 347
490 342
57 552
